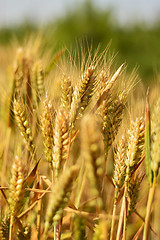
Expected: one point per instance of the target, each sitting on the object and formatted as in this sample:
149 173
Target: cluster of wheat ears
73 156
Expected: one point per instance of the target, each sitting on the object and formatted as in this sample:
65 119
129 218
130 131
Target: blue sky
42 11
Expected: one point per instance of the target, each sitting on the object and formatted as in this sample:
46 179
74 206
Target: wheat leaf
148 141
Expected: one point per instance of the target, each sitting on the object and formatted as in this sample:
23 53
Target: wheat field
80 147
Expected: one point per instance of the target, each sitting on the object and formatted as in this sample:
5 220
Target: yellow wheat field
80 147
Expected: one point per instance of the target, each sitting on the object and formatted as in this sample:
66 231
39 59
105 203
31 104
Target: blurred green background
137 43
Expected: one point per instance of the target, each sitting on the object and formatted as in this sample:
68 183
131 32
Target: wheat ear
16 187
61 141
112 118
134 154
119 166
23 125
100 230
78 228
66 93
18 79
82 94
47 129
4 228
132 193
118 176
107 89
135 146
19 71
16 192
59 198
92 154
37 76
